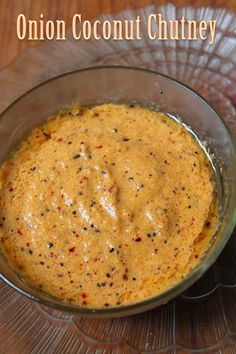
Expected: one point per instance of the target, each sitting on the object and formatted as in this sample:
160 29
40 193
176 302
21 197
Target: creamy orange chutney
106 205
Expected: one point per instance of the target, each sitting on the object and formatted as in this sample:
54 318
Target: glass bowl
123 84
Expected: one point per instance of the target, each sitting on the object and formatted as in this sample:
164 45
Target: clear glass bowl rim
178 288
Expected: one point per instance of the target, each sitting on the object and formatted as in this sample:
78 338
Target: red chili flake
138 239
11 189
196 256
71 249
59 208
27 244
84 296
84 302
60 140
19 232
125 276
99 146
72 281
110 189
62 196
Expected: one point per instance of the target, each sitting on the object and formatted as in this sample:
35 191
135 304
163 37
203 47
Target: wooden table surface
11 46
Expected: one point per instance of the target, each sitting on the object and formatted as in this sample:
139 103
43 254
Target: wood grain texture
11 46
